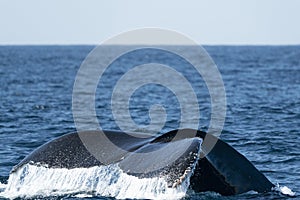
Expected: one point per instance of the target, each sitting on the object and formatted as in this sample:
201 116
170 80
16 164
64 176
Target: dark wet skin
222 170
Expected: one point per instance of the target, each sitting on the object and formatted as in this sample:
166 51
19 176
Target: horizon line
122 44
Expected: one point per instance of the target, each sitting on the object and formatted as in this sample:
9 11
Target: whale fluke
223 169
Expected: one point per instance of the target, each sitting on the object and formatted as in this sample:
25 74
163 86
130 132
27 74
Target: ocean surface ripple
263 105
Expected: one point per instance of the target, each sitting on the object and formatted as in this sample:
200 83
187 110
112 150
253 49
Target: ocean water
262 86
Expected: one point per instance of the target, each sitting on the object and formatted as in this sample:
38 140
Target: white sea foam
285 190
2 187
110 181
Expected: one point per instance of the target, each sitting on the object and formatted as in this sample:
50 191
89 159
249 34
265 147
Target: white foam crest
110 181
284 190
2 187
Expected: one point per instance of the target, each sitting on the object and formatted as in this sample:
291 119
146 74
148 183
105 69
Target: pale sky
205 21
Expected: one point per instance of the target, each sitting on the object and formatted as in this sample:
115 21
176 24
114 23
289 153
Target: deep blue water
262 86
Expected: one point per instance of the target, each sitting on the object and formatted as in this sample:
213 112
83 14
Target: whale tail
185 158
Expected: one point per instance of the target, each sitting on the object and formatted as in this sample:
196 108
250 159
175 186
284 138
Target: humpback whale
223 169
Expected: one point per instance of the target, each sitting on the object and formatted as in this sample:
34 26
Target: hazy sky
205 21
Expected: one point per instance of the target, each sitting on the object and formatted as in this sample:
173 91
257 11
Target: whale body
223 169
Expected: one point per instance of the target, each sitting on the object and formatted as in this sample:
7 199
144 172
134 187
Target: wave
109 181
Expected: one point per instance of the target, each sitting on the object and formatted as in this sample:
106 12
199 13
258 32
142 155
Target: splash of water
285 190
2 187
110 181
